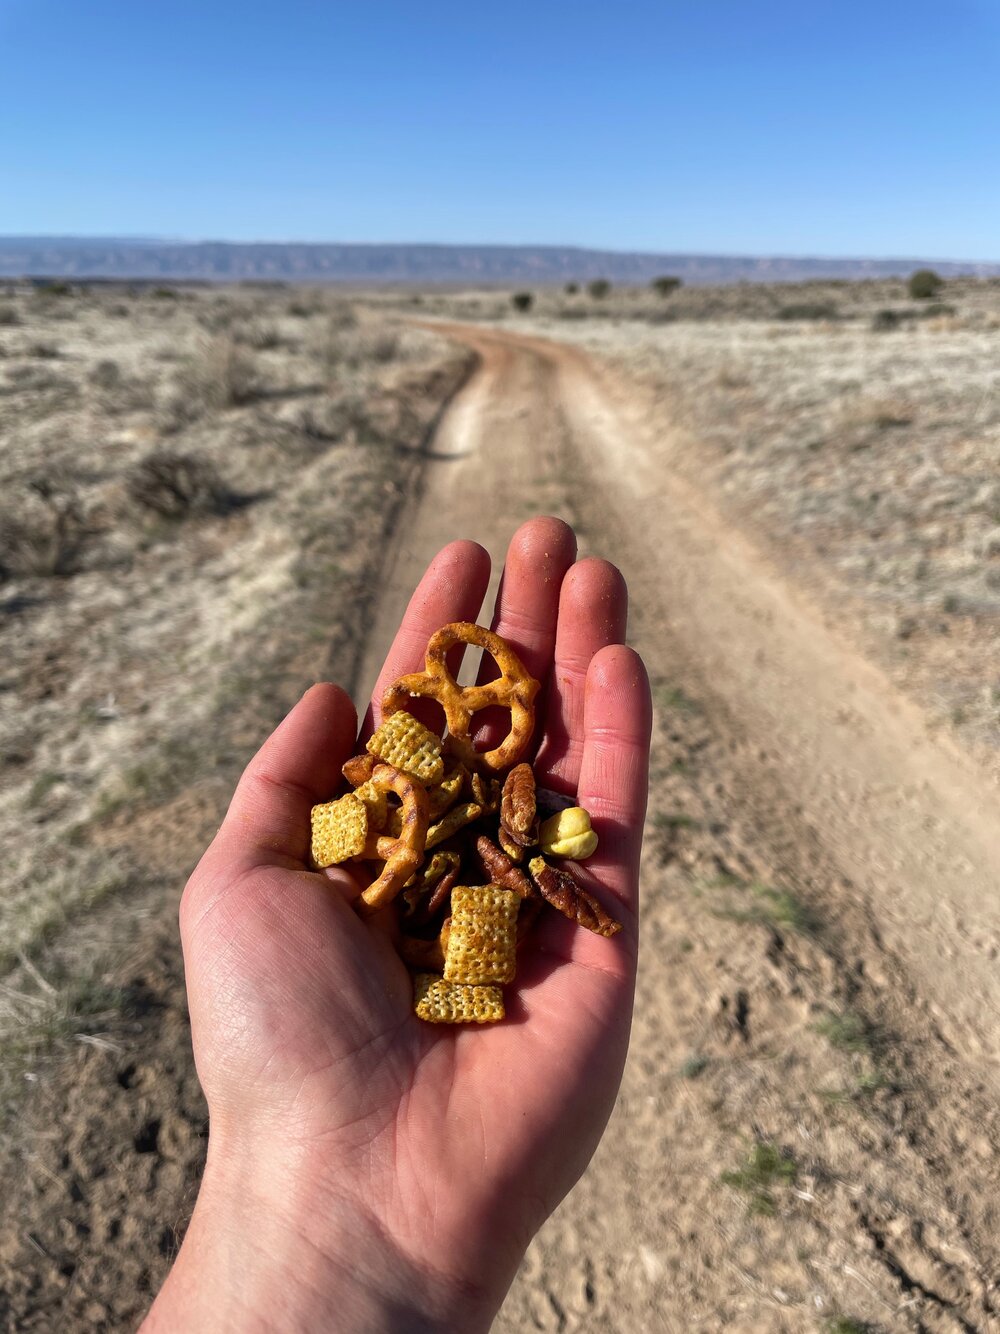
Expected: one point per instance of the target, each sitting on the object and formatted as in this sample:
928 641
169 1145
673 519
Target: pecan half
518 817
500 870
561 890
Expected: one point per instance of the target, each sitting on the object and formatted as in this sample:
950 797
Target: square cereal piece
482 942
408 745
439 1002
339 830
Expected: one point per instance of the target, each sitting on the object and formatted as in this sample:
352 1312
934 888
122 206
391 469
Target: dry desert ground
213 496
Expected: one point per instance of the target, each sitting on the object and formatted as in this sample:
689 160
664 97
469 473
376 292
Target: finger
267 823
540 553
593 611
452 589
614 772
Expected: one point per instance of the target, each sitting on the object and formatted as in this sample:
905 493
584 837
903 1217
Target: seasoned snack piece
562 891
513 850
339 830
513 689
482 942
445 794
431 890
457 818
499 868
408 745
377 803
403 855
568 834
486 793
441 1002
358 769
517 807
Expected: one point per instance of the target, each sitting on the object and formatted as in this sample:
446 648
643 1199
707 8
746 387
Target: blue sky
735 126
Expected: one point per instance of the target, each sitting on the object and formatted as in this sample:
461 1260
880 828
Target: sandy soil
808 1129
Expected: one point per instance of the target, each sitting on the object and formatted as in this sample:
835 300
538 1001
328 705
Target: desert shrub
54 288
42 532
884 320
571 289
302 310
340 315
42 351
599 288
809 310
119 311
665 286
347 348
924 284
936 309
177 486
381 346
223 376
521 300
262 337
106 374
9 316
164 294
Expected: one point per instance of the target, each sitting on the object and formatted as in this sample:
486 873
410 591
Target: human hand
367 1170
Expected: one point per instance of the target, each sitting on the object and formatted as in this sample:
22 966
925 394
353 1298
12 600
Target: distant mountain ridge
225 261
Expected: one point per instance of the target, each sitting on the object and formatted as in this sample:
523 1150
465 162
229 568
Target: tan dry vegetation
191 515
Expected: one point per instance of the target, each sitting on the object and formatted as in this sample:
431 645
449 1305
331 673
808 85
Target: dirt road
849 863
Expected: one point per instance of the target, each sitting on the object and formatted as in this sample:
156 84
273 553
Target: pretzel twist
405 853
513 689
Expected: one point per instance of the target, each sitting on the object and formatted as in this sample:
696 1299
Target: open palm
451 1143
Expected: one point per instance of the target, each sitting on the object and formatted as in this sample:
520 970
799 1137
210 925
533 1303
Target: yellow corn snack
376 802
457 818
446 792
408 745
568 834
339 830
482 941
441 1002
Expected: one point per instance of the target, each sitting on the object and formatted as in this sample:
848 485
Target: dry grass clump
351 348
222 375
178 486
42 531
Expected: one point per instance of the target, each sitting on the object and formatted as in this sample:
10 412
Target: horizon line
139 238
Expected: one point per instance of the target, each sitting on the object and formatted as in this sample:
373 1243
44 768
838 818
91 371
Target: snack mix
445 830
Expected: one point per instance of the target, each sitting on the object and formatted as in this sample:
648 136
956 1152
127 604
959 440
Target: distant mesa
224 261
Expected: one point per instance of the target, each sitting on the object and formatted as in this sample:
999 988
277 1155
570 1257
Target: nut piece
568 834
517 806
562 891
441 1002
408 745
482 943
501 870
339 830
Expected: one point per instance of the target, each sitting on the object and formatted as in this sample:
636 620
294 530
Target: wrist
265 1250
